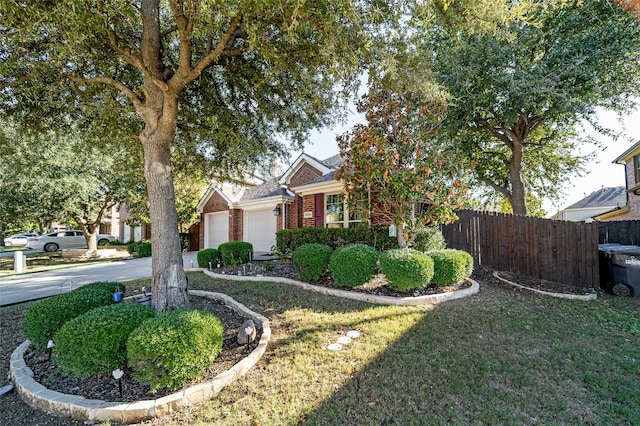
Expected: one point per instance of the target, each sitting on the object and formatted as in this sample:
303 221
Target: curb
362 297
586 297
94 410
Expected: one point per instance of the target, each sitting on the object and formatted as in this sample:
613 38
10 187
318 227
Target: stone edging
585 297
80 408
362 297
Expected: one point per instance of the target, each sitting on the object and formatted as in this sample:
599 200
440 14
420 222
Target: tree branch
135 100
186 74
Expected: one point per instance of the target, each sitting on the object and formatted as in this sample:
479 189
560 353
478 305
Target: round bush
208 256
235 252
96 341
428 239
451 266
353 265
174 348
46 317
406 269
311 261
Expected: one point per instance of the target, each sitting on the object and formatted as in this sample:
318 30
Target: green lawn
501 357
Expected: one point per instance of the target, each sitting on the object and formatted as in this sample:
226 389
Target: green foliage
427 239
47 316
406 269
173 348
451 266
108 286
235 252
353 265
96 341
415 178
140 248
374 236
47 184
521 95
311 261
208 256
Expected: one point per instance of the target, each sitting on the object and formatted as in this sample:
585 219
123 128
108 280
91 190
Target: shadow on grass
523 360
502 356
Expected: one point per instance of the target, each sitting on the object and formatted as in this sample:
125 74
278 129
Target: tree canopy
519 94
228 78
394 163
66 178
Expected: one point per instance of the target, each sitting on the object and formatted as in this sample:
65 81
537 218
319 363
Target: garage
260 229
216 229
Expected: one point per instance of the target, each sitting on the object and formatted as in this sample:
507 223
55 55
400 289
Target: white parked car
59 240
18 240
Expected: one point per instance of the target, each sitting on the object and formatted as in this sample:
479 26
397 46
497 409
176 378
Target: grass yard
503 356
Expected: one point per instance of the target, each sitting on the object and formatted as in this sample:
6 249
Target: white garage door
216 229
260 229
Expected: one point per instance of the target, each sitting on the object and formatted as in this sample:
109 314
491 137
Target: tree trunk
160 112
518 193
169 280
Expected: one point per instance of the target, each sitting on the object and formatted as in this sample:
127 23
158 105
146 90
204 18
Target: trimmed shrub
144 249
428 239
109 286
96 341
235 252
208 255
47 316
288 240
174 348
406 269
311 261
353 265
451 266
141 248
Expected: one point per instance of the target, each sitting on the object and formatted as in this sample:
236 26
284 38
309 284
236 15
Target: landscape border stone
80 408
585 297
353 295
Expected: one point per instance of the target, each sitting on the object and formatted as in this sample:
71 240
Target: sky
601 172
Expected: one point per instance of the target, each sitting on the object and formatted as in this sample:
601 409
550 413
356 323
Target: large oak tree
518 94
230 77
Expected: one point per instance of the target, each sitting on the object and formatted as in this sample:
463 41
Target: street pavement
21 288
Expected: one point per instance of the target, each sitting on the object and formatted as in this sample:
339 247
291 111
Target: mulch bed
105 387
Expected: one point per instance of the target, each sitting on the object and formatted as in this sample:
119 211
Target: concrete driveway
21 288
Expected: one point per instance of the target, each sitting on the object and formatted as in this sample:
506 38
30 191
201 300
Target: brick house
307 194
631 209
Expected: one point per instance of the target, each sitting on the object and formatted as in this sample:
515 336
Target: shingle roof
333 161
605 197
271 188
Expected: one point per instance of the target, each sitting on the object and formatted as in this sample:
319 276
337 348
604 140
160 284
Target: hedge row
288 240
405 269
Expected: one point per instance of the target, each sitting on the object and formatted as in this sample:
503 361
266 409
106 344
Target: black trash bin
624 269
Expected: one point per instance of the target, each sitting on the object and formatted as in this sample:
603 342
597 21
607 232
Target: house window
337 213
334 211
636 167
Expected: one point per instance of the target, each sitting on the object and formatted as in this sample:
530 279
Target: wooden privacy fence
565 252
621 232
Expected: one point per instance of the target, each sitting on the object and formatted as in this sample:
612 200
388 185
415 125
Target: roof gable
605 197
322 166
632 151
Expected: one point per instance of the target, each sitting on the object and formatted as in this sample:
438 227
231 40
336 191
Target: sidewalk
25 287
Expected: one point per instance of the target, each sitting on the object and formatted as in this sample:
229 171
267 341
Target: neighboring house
630 209
307 194
115 223
598 202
